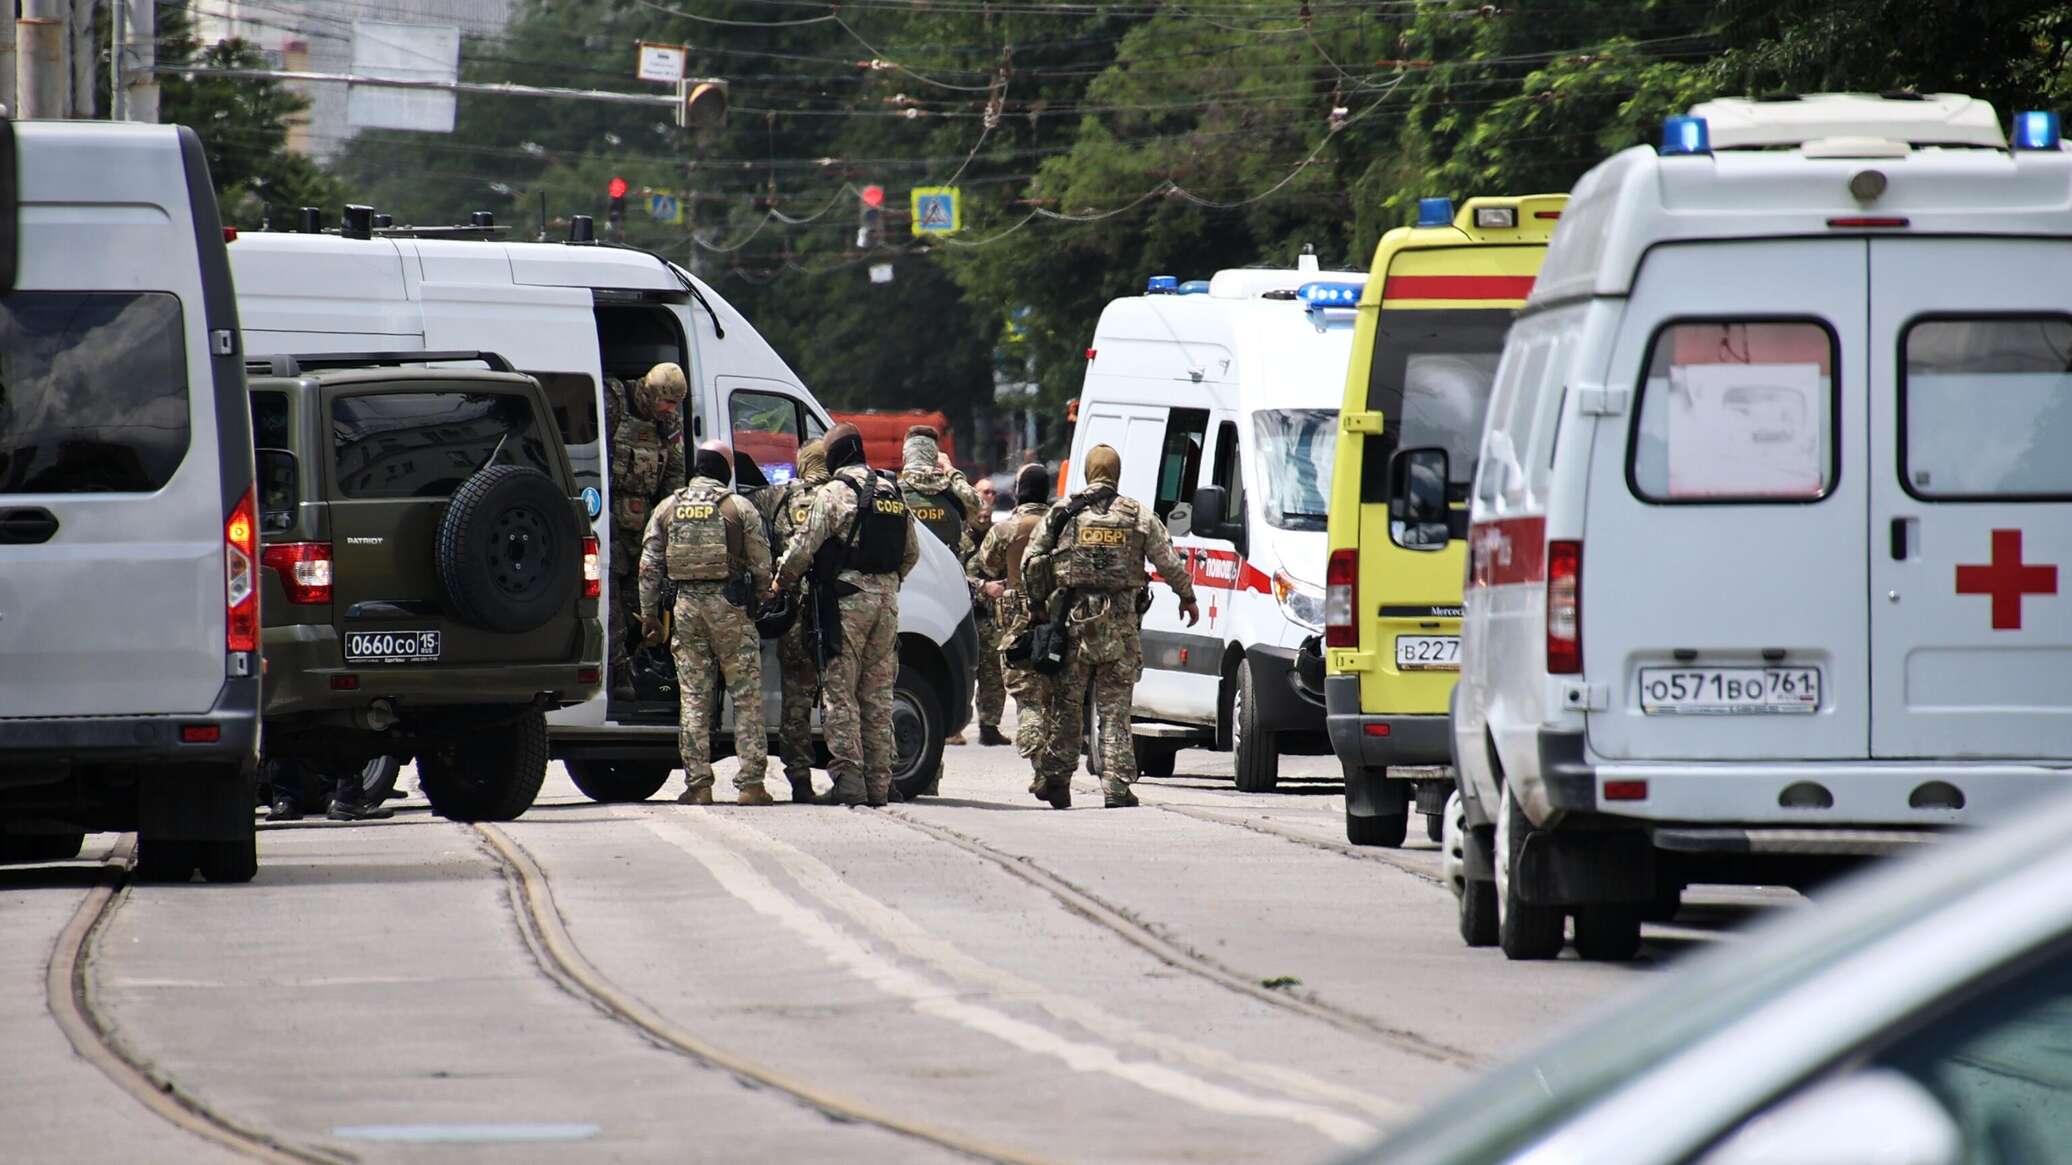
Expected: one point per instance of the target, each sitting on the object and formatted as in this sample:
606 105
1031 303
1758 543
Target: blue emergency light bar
2035 130
1434 212
1195 287
1330 294
1162 285
1685 135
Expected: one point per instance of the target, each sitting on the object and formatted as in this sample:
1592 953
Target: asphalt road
1212 977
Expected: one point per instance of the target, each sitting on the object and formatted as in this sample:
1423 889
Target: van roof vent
1936 119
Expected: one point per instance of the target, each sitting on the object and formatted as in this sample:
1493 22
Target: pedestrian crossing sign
936 210
666 208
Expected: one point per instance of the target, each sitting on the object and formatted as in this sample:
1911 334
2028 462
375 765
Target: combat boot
754 795
836 796
354 811
1059 795
702 795
990 735
1118 796
1039 788
284 809
957 739
802 791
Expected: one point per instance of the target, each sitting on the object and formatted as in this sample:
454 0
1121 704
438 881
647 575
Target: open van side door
1971 501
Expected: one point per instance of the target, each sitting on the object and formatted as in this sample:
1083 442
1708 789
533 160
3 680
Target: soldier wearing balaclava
786 506
643 433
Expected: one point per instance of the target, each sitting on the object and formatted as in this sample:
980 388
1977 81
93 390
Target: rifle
823 613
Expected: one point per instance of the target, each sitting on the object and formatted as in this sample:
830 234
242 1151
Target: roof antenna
1308 260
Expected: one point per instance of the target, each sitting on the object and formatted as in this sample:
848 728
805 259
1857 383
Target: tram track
1183 957
70 995
562 960
1378 856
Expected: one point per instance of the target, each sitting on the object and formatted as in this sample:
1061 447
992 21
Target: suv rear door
1724 548
399 450
1971 500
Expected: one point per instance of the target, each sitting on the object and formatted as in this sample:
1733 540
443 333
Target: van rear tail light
1564 608
305 570
1341 599
593 570
240 584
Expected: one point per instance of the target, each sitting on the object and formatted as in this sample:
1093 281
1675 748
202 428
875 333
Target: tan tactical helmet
664 381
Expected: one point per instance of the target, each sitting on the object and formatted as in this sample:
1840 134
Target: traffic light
870 217
615 209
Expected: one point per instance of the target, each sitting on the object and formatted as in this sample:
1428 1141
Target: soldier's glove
650 631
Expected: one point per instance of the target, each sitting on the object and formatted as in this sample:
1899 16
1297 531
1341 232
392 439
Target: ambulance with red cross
1772 524
1222 396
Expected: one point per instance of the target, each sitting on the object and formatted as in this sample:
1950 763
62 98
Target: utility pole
41 77
80 100
7 66
136 79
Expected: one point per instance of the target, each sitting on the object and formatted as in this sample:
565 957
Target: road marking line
734 873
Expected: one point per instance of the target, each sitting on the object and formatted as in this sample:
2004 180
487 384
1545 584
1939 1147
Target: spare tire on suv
509 550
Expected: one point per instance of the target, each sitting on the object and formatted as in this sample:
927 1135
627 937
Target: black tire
1435 826
378 779
917 732
1255 750
1609 934
491 774
164 860
1525 930
619 780
40 847
1476 908
1386 830
1154 757
228 862
509 550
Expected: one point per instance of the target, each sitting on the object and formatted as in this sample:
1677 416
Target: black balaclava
715 464
844 447
1031 483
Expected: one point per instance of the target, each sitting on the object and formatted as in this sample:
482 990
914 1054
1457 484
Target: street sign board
662 62
937 210
403 52
665 208
881 273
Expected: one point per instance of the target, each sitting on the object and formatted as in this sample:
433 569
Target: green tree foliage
242 124
1098 145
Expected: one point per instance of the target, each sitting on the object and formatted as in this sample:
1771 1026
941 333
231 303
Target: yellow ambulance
1430 331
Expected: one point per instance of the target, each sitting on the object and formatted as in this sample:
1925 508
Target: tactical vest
1102 549
793 507
879 536
941 513
1024 528
704 541
638 451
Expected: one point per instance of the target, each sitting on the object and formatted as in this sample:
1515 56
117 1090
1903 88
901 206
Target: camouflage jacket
785 507
833 516
1050 538
937 482
996 560
637 449
654 543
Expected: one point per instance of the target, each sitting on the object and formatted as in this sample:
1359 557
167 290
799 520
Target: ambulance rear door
1971 502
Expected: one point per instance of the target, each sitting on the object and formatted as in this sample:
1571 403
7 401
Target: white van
1772 507
1222 396
571 314
129 611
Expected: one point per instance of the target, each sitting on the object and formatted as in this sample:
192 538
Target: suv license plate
391 646
1427 653
1728 691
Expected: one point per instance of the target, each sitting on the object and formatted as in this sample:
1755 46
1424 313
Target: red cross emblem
2007 580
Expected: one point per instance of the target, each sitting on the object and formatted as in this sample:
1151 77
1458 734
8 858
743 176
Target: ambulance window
1179 459
1230 469
1433 372
766 427
1987 408
1736 411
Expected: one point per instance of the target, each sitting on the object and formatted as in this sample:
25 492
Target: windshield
1294 447
1431 380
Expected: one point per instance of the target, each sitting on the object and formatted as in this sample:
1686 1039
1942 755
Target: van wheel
40 847
508 549
378 779
1388 821
1255 750
487 775
1154 757
917 732
1474 900
1435 827
1525 930
164 860
619 780
1608 934
229 862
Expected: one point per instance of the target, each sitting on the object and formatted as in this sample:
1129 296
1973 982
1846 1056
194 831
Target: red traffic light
616 188
874 196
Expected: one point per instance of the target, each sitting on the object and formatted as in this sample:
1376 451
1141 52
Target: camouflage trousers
801 683
992 684
623 612
1032 693
857 690
1107 658
713 637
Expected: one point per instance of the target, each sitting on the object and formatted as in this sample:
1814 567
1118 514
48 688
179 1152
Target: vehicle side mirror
1418 510
280 478
1876 1115
1206 511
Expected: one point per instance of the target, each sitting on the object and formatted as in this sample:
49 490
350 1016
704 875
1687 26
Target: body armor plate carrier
1103 548
704 540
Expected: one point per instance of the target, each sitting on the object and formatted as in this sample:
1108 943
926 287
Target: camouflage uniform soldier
985 610
705 538
644 442
859 516
1092 547
786 507
997 568
941 500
